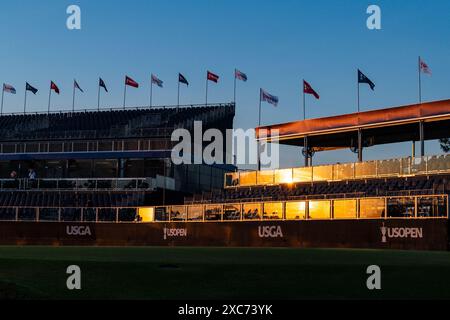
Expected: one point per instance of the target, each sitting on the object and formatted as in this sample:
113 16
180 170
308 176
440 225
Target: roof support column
305 148
422 139
360 155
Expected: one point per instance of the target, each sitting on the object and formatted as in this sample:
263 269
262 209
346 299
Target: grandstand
396 203
100 158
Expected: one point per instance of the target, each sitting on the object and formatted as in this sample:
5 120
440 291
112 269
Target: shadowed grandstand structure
100 159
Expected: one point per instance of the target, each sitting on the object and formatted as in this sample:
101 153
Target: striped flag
265 96
212 77
9 88
240 75
309 90
130 82
424 67
157 81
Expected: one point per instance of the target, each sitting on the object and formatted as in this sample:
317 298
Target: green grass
220 273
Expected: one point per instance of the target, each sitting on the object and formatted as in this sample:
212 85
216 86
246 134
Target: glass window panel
283 176
273 211
323 173
161 214
319 209
296 210
265 177
71 214
48 214
438 163
371 208
252 211
130 214
232 212
247 178
27 214
344 209
302 174
365 169
418 165
343 171
89 214
431 207
400 207
178 213
7 214
389 167
232 179
107 214
213 212
195 213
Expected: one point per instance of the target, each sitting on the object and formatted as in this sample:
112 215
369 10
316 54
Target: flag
363 79
182 79
28 87
240 75
424 67
102 84
77 86
54 87
212 77
157 81
269 98
9 88
130 82
309 90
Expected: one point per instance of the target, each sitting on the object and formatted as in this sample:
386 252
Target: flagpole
304 100
73 98
25 102
98 97
49 98
151 92
358 93
178 98
3 93
124 95
420 82
206 90
234 95
259 125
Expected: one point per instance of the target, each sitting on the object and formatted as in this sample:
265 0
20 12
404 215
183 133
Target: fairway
220 273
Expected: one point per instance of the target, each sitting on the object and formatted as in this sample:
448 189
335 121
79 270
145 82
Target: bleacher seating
420 185
104 123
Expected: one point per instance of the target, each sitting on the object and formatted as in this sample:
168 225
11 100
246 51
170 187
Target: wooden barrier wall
426 234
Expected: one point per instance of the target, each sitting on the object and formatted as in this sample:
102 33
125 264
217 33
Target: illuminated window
283 176
343 171
323 173
252 211
319 209
344 209
400 207
431 207
371 208
247 178
365 169
232 212
265 177
195 213
302 174
295 210
213 212
178 213
273 211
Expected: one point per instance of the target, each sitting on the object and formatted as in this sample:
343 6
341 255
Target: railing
120 109
349 171
413 207
79 184
422 206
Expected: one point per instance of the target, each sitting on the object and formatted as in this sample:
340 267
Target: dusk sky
276 43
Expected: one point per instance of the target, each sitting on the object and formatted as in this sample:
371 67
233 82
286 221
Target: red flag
424 67
130 82
213 77
54 87
309 90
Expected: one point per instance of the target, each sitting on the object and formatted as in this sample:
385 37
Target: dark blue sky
276 43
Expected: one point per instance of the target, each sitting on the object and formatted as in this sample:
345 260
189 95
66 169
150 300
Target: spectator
13 174
31 174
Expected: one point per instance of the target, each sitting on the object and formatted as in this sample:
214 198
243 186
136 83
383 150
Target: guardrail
413 207
402 167
79 184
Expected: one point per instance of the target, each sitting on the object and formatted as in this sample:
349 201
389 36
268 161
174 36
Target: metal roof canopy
390 125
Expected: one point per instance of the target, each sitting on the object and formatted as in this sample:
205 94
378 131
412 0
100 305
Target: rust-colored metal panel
381 117
420 234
